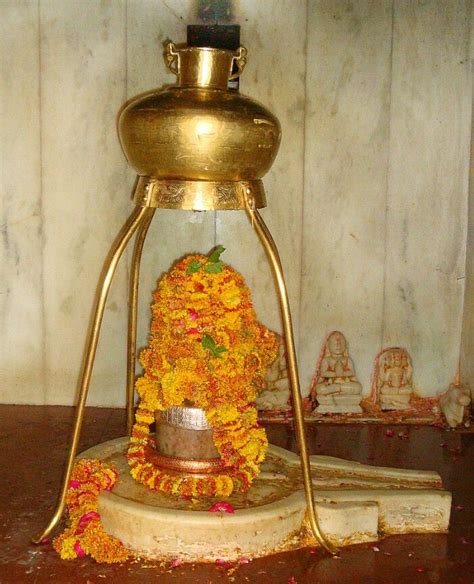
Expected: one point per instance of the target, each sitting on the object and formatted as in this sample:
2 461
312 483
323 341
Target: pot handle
240 59
172 57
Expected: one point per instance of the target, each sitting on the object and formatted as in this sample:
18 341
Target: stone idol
335 388
393 379
277 394
453 404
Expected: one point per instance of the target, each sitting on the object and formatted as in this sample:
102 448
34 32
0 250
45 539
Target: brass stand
195 146
274 257
140 220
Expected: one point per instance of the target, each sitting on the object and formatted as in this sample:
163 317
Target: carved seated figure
394 379
453 404
335 386
277 393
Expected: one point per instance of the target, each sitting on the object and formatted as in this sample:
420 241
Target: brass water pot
199 145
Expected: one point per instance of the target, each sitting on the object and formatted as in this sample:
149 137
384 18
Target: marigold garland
85 534
206 347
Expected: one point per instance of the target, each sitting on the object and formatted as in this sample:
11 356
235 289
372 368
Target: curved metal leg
274 257
132 312
103 288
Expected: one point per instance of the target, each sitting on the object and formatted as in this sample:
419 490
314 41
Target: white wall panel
427 195
274 75
346 159
85 190
21 282
467 340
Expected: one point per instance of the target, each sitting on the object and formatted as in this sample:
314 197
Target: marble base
386 405
355 503
339 404
322 409
394 399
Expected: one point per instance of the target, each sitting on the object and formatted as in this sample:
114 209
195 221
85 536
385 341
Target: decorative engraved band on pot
185 417
195 466
198 195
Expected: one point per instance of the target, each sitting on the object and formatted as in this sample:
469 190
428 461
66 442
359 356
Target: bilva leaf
213 268
216 254
193 267
208 343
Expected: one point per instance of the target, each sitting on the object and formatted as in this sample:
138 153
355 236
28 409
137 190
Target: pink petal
88 517
420 569
389 433
221 506
74 484
375 548
224 564
80 553
292 580
175 563
192 331
244 560
192 314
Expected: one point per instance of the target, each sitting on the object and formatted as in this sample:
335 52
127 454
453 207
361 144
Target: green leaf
208 343
193 267
213 268
216 254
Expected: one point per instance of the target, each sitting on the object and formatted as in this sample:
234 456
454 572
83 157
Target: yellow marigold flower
66 549
230 295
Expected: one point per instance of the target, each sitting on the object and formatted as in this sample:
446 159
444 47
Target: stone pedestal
394 398
338 404
355 503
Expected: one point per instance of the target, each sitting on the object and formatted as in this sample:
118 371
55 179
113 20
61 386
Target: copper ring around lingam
203 466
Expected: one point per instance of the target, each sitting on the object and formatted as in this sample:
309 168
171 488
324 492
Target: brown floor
34 440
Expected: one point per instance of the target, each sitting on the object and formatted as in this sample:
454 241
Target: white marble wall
347 130
21 271
467 340
367 199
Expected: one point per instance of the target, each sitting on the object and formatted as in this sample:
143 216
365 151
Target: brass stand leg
132 313
273 255
105 281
